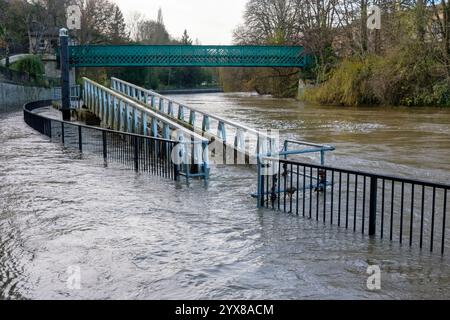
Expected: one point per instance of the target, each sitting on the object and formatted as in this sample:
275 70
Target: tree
151 32
185 39
117 32
363 6
421 20
15 18
270 22
101 22
4 43
160 19
133 24
441 30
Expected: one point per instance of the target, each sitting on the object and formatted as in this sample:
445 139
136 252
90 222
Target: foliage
31 65
408 75
102 22
185 39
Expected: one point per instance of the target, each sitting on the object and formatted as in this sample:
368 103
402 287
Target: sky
209 21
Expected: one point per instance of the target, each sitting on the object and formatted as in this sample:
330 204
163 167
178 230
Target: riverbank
408 75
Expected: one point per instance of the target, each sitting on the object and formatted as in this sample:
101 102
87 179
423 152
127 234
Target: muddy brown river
134 236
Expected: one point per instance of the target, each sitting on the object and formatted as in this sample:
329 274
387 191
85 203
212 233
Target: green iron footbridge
187 56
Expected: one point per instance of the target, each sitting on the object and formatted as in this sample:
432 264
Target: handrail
263 141
360 173
365 202
149 112
210 115
110 106
310 144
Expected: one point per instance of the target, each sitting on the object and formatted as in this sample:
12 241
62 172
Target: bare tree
133 22
152 32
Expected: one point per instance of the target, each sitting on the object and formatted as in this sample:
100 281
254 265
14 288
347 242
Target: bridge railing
241 137
75 96
411 212
181 56
121 113
136 152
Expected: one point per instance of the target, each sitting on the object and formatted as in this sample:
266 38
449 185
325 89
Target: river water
134 236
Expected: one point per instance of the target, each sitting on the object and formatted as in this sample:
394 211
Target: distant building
44 42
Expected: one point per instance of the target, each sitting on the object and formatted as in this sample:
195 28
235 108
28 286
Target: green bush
31 65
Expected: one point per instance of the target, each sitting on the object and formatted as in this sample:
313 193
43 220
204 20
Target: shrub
408 75
347 85
31 65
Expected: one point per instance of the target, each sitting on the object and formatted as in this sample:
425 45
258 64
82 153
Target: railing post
62 133
260 183
49 129
170 111
80 139
105 146
373 206
136 154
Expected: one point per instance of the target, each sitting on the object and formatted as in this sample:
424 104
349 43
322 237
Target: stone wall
13 96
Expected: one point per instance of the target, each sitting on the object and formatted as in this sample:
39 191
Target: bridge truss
187 56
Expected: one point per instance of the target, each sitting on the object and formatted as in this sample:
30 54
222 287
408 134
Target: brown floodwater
134 236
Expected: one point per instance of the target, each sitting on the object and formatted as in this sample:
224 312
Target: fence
403 210
136 152
75 96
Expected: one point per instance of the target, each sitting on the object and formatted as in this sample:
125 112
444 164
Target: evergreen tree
117 32
185 39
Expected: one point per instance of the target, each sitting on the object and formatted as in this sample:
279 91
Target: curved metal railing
134 151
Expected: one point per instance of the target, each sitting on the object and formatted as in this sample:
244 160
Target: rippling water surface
135 236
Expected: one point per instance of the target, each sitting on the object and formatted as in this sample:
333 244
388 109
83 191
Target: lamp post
65 82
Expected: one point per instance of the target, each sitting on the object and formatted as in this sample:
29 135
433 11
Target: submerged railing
409 211
121 113
242 138
136 152
75 96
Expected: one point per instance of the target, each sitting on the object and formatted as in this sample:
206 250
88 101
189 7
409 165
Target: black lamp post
65 84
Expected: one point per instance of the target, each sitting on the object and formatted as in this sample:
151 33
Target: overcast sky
209 21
